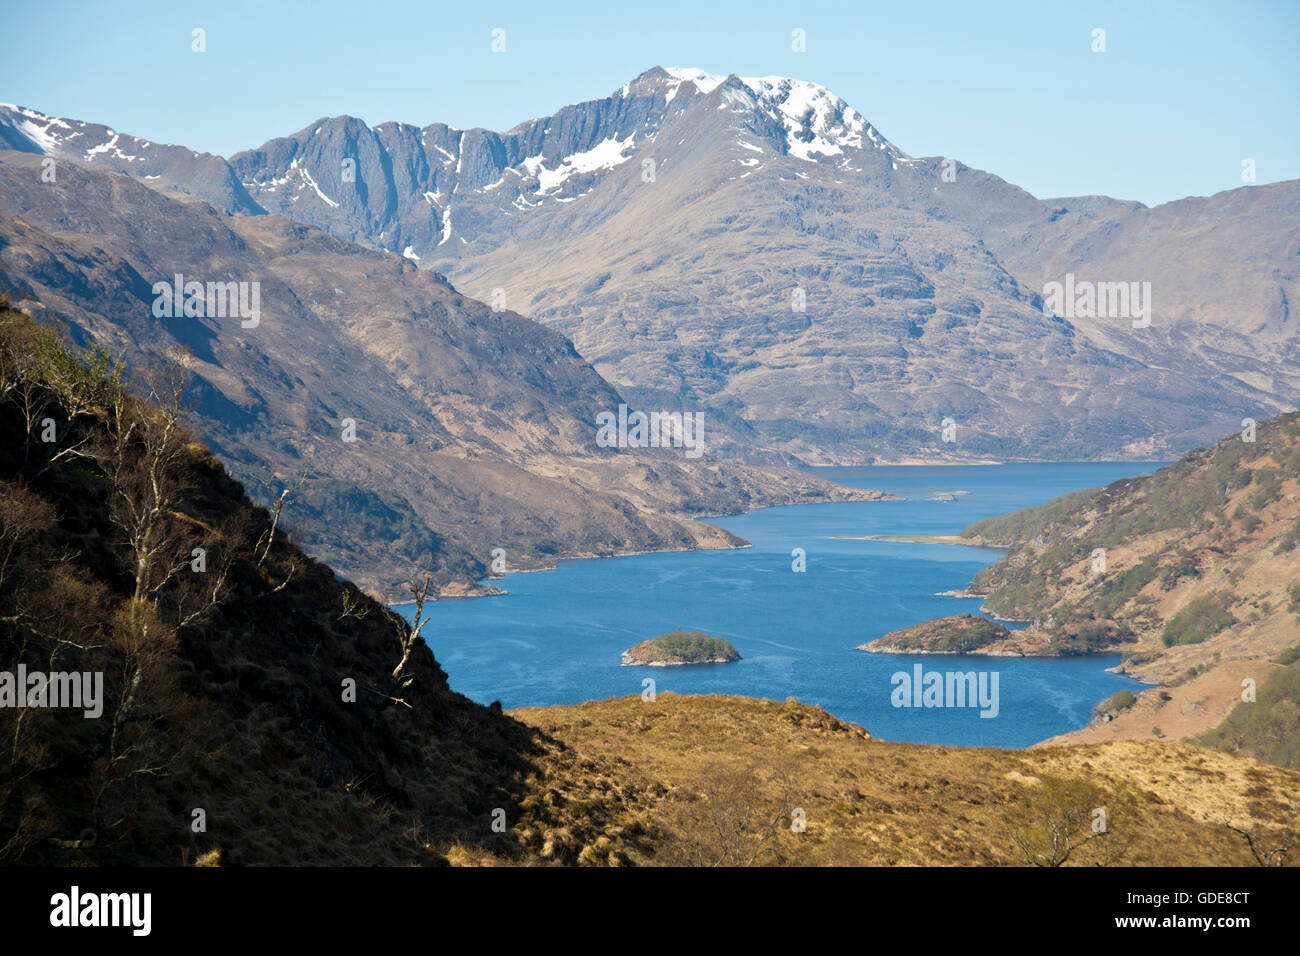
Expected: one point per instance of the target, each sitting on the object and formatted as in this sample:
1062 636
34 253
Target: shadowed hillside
224 682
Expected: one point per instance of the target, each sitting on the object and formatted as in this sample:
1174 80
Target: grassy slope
870 802
1198 561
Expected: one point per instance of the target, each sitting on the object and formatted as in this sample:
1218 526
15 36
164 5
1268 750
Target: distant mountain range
754 246
416 428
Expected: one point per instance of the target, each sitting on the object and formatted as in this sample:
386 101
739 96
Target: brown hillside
875 803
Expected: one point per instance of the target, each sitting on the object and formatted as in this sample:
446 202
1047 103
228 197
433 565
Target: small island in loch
958 634
679 648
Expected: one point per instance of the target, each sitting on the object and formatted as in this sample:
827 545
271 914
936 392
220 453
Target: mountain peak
817 122
704 81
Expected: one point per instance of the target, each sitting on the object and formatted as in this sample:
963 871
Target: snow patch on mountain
738 99
110 147
45 141
39 128
308 181
816 121
606 154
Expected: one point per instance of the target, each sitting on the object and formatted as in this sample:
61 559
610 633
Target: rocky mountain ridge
756 247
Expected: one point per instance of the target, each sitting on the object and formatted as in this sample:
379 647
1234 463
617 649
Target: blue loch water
558 636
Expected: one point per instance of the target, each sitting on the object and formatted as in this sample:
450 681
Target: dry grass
876 803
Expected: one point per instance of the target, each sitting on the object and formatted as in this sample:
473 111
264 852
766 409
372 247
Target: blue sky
1184 92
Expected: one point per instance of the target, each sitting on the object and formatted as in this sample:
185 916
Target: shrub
1248 520
1200 620
1290 539
1116 703
1270 488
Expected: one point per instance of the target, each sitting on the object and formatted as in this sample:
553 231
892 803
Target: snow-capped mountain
418 190
817 123
168 168
755 245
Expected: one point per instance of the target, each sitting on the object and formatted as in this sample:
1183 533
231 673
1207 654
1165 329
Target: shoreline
482 585
500 592
937 462
920 539
951 539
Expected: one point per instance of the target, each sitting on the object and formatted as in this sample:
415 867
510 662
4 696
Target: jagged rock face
757 247
422 187
922 297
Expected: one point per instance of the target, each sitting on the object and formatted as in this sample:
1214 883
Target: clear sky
1182 94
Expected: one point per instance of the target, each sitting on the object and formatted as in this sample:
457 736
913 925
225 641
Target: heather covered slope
474 429
1191 572
1120 563
729 773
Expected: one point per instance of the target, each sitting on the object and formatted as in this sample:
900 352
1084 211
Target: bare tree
268 536
407 636
262 550
144 454
140 453
1058 817
1269 846
143 459
200 591
354 605
734 816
